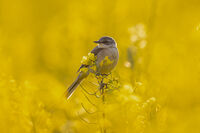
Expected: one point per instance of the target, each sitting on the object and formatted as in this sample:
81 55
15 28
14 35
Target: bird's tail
75 84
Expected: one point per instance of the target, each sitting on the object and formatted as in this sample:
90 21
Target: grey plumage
106 47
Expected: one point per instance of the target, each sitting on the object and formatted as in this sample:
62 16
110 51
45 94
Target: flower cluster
89 61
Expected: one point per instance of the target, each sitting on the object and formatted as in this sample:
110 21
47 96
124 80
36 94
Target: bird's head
106 42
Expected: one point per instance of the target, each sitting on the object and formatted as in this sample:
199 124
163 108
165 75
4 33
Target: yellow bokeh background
41 46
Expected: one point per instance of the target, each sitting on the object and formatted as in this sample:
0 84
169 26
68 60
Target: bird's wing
95 51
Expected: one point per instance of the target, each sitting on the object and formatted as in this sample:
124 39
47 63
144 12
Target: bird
106 48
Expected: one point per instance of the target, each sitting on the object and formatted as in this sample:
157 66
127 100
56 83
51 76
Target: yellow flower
94 68
135 98
88 60
84 60
127 88
84 69
106 80
91 56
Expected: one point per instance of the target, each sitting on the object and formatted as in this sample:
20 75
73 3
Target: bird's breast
107 60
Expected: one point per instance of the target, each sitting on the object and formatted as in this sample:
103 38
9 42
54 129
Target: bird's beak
96 41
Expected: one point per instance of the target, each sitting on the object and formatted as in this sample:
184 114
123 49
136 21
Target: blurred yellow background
41 46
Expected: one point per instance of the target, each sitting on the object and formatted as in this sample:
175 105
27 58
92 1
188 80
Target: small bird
107 47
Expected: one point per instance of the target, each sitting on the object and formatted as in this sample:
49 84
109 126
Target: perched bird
106 48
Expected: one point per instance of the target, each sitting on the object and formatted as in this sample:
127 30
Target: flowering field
155 87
